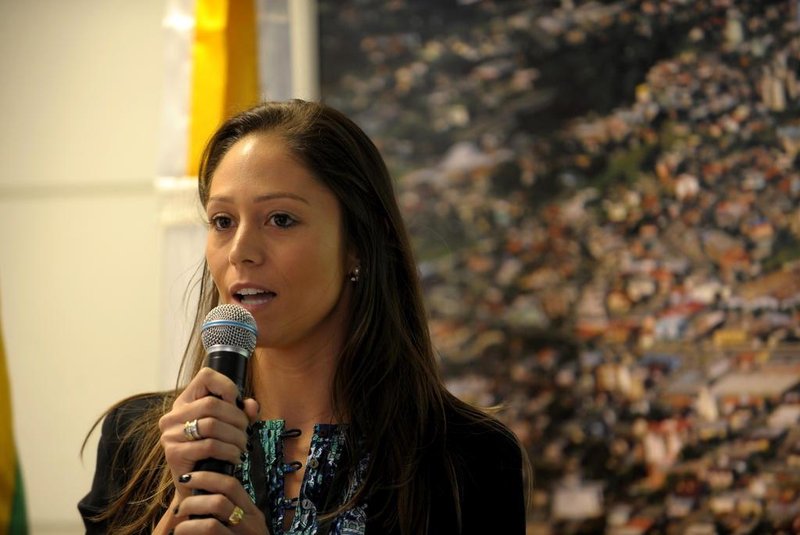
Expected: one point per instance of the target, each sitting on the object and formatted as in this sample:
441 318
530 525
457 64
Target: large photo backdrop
603 197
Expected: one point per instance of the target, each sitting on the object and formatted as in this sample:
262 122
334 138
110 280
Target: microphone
229 335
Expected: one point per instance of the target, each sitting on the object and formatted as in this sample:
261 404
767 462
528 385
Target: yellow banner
224 69
8 457
12 498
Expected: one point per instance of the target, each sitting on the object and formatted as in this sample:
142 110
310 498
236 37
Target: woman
347 427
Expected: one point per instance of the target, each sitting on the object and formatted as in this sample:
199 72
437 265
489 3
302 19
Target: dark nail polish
185 478
175 511
243 456
240 403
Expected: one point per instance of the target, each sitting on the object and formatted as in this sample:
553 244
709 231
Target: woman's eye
282 220
221 222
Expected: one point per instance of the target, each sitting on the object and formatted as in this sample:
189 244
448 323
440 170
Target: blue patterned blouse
264 467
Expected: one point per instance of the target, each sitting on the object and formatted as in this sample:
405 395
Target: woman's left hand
227 507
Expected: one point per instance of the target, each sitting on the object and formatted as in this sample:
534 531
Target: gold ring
190 431
236 516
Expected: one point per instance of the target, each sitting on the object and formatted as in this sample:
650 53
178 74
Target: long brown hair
387 383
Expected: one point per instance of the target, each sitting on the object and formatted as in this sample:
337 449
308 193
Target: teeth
250 291
253 296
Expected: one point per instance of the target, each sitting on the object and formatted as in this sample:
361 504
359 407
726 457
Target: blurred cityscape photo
603 196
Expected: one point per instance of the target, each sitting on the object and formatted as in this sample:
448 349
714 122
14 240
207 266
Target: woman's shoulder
488 464
120 437
123 414
480 438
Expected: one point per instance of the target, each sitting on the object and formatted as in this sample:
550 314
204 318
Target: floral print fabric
264 467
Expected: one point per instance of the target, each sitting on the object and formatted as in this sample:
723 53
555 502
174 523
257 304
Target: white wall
80 103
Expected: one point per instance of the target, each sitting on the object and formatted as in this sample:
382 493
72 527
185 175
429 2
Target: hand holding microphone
206 430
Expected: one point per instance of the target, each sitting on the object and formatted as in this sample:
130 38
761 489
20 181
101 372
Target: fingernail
240 403
175 511
185 478
243 456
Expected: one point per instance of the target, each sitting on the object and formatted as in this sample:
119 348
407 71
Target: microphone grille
229 325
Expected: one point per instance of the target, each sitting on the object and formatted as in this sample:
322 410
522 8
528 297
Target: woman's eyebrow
262 198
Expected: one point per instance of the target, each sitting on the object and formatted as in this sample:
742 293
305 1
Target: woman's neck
295 387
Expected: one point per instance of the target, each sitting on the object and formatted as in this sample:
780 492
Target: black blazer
488 463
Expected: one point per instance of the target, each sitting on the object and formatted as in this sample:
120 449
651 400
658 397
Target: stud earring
355 274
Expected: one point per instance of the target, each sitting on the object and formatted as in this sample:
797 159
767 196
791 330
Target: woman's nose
247 247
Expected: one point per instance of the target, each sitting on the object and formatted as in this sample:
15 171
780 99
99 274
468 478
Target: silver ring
190 431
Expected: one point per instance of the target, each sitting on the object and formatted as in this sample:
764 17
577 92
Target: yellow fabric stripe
224 69
208 76
243 90
8 457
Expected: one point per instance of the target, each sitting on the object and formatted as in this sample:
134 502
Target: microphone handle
231 363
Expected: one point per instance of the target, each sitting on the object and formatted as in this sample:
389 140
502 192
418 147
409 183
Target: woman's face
275 245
